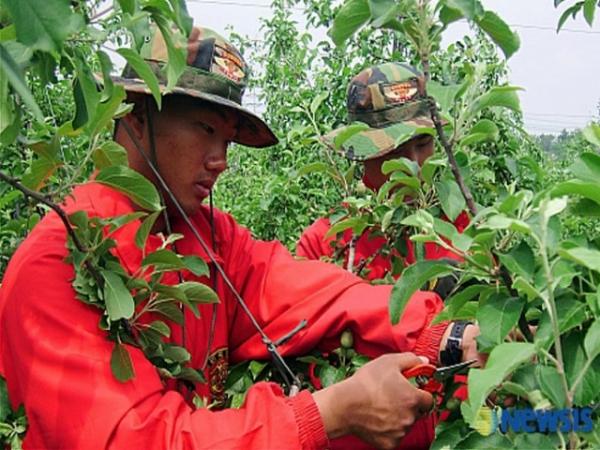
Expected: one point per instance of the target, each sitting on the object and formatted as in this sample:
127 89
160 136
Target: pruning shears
431 378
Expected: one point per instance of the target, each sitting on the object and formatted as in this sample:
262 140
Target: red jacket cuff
429 342
310 425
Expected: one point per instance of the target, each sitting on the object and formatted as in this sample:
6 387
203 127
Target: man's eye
206 127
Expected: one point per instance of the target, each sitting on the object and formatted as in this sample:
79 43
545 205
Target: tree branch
42 199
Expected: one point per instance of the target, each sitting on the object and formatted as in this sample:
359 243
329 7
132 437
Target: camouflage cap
215 72
390 99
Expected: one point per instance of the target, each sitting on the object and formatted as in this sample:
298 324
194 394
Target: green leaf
176 354
497 315
14 75
575 359
384 11
589 9
585 189
315 168
592 134
176 51
160 327
171 311
592 340
421 219
182 17
503 360
39 171
515 389
404 164
455 303
482 131
480 442
331 375
163 260
444 95
587 257
411 280
5 407
471 9
500 96
193 375
143 70
7 115
587 167
451 199
550 382
534 441
449 15
500 33
358 225
141 235
429 169
199 292
118 222
43 24
571 313
106 67
448 437
571 11
106 111
196 265
121 364
127 6
132 184
501 222
109 154
352 16
520 260
317 100
118 299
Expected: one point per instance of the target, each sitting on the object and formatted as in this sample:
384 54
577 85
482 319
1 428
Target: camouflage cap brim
371 143
252 131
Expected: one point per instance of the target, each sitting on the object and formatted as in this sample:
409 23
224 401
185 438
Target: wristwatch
452 354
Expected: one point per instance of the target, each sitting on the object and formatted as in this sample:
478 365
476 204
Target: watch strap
452 354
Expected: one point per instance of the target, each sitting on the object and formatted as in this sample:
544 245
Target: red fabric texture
313 245
57 361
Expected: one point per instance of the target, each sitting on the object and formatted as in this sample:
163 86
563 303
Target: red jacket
56 360
313 245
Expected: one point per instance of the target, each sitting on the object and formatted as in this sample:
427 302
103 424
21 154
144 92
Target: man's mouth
203 188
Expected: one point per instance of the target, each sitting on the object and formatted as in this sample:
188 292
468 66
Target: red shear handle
421 369
424 377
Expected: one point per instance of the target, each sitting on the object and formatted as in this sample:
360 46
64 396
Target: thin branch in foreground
43 199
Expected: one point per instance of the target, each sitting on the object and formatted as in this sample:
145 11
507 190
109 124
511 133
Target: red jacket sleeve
57 362
282 291
312 243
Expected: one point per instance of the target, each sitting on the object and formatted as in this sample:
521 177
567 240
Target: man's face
191 142
417 149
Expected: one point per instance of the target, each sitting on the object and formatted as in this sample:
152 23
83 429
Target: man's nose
217 160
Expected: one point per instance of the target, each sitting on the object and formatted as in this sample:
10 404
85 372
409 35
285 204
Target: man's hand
377 403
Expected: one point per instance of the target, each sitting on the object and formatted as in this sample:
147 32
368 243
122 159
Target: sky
559 72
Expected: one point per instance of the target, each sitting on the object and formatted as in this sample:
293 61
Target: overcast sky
560 73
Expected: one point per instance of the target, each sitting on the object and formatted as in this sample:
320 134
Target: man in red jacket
389 98
56 359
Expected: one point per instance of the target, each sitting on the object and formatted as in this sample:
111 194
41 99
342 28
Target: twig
466 192
42 199
464 189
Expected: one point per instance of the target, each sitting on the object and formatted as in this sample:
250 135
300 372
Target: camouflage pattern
215 72
390 99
